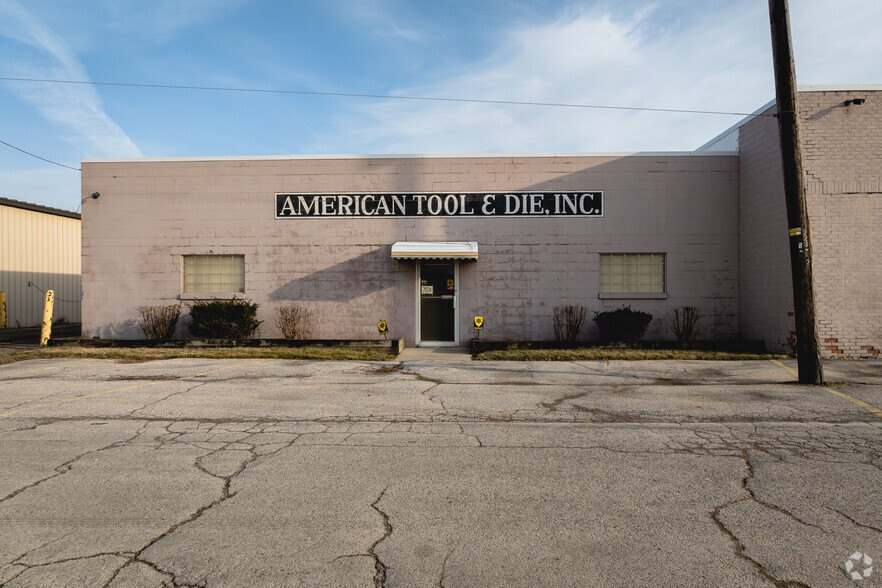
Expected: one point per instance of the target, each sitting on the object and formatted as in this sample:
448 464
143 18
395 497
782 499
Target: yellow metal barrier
47 318
2 310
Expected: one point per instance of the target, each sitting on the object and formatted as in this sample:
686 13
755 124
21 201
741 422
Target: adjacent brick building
842 150
428 242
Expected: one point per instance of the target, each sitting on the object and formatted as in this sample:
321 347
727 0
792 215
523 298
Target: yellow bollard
47 318
2 310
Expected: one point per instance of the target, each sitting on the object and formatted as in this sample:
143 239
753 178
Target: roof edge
839 88
408 156
39 208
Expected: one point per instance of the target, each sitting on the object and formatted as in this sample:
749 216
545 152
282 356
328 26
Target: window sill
212 296
633 295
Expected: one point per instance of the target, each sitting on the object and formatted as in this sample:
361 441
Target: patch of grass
623 354
138 354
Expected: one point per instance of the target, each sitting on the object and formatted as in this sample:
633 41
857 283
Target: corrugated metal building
39 251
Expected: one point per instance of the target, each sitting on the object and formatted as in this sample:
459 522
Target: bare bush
158 322
685 321
568 322
294 321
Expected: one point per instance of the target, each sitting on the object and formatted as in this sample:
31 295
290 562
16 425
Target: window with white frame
632 272
214 274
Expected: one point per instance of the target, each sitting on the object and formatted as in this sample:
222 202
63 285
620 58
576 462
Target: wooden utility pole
807 352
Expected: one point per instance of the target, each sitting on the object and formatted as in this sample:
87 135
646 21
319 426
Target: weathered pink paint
718 217
151 213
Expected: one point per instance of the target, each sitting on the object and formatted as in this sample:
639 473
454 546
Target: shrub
294 321
568 322
158 322
224 319
685 321
621 325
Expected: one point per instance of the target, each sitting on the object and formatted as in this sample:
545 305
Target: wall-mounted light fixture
855 101
95 194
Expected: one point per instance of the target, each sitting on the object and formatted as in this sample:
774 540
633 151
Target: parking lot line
83 397
835 392
863 367
854 400
788 368
50 367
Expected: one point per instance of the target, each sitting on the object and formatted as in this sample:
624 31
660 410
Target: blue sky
683 54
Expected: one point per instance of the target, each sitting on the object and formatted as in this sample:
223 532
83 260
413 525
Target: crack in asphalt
226 492
67 465
736 439
853 521
710 436
27 567
379 566
443 575
435 399
555 404
195 384
169 438
740 550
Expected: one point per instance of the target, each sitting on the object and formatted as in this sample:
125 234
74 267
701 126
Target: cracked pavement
296 473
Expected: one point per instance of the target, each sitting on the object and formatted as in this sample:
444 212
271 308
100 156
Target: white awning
435 250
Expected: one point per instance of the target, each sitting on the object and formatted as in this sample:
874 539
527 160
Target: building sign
475 204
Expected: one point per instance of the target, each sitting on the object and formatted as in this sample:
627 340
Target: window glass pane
214 274
632 272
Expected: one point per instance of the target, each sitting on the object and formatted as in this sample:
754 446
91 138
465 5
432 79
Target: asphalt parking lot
423 473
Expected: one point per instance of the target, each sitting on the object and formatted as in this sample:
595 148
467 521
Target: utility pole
807 353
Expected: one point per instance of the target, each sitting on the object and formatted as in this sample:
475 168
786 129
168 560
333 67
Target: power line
381 96
41 158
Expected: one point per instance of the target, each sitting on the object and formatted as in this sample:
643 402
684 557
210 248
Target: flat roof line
412 156
799 88
738 125
839 88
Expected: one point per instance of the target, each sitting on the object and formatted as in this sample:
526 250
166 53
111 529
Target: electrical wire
40 158
356 95
380 96
33 285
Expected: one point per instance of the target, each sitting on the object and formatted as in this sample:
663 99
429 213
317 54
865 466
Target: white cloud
380 18
719 60
161 20
77 109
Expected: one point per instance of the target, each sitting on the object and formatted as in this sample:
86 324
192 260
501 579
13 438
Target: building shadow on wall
26 293
342 282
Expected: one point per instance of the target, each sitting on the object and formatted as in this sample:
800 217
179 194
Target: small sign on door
427 290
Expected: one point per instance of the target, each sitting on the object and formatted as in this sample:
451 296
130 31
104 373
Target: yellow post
47 318
2 310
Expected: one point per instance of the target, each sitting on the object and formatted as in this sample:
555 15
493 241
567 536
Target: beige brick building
842 148
428 242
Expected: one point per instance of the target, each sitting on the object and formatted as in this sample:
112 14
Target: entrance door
438 302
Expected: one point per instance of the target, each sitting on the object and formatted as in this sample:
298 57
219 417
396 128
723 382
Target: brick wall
842 147
843 162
